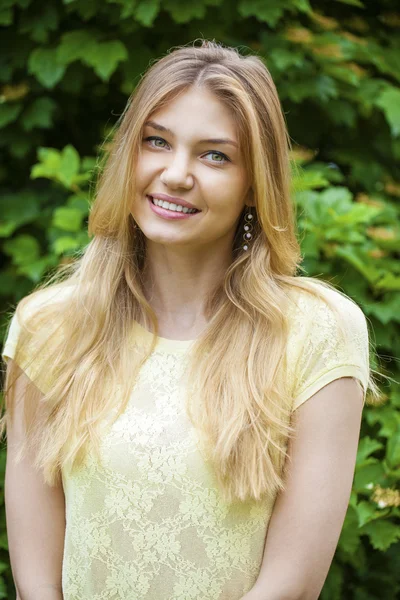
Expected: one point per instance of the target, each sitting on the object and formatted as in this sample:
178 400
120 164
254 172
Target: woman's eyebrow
160 127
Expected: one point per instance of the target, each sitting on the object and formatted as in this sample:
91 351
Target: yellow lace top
150 523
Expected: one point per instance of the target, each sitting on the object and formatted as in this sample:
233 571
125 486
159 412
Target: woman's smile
170 211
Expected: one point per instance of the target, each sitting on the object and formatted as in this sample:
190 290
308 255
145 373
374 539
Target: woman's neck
177 288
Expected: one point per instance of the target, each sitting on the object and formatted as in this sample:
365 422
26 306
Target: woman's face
184 156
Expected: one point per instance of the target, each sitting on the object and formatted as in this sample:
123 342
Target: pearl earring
248 228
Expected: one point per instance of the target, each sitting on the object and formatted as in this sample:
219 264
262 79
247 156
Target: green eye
221 155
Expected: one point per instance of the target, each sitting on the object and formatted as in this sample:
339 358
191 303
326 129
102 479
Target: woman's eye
155 139
220 155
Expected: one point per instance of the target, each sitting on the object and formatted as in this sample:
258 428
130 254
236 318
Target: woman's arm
308 517
35 515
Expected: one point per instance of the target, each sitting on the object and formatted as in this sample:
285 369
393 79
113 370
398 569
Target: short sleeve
25 361
322 353
10 343
31 356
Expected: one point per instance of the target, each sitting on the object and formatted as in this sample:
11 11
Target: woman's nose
177 172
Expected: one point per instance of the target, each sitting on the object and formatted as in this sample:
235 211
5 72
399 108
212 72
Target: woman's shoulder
24 317
328 338
29 336
316 299
39 299
321 313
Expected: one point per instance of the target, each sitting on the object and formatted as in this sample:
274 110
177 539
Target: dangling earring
248 228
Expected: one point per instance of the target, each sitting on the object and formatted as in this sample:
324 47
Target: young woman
183 409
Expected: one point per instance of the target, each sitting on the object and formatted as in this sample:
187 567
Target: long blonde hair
239 399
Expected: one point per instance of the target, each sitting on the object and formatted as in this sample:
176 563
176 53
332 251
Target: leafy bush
65 76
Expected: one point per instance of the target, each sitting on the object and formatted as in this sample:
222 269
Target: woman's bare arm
308 517
35 516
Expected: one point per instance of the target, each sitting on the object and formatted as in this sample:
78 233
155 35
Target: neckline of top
163 344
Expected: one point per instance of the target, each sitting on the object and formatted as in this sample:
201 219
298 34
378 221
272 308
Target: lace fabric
317 354
148 521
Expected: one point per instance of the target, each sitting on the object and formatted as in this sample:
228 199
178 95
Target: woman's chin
162 237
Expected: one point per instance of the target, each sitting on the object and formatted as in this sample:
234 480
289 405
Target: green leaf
359 261
35 270
23 249
79 202
367 93
349 539
333 586
9 112
75 44
342 112
270 12
382 533
105 57
88 163
3 541
368 475
387 418
386 310
358 213
330 171
283 58
393 450
39 114
366 447
49 166
338 198
182 11
68 219
16 210
313 209
352 3
321 86
69 165
6 16
389 282
367 512
62 167
301 5
6 229
83 45
343 73
310 245
146 11
64 244
389 102
44 64
7 285
3 589
21 144
309 180
39 23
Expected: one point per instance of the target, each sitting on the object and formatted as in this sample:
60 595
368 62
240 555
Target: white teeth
172 206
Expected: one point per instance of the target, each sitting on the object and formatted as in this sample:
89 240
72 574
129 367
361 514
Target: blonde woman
183 409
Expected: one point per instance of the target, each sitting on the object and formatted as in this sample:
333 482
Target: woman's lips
169 214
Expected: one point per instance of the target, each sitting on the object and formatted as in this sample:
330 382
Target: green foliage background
66 71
